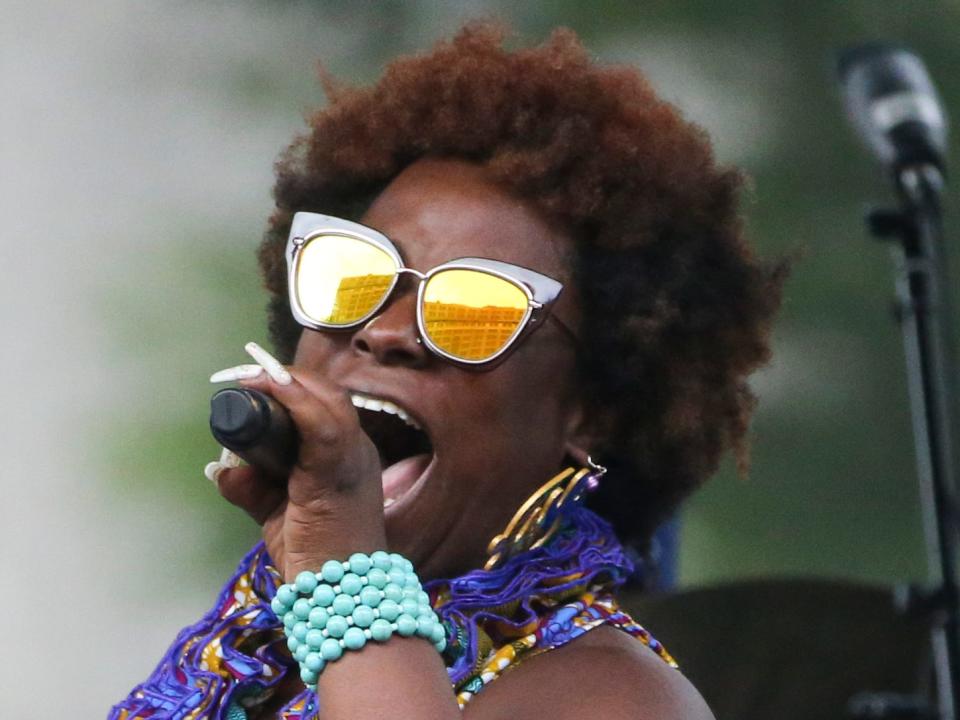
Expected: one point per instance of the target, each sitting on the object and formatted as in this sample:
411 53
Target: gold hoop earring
541 515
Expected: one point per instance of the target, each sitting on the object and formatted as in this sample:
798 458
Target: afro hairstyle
676 308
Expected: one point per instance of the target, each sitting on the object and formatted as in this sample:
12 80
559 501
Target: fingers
277 372
239 372
227 459
337 471
244 486
269 368
247 489
320 411
326 419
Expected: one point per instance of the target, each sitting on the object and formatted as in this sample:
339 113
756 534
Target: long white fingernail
229 459
212 471
269 363
240 372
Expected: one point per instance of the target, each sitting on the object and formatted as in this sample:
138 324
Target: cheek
516 416
537 390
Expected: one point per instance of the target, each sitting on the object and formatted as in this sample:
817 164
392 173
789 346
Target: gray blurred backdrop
136 144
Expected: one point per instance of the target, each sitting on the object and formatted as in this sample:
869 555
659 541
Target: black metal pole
925 321
895 108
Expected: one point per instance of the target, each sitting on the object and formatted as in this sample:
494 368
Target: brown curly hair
676 309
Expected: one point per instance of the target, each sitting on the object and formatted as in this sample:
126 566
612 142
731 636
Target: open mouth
405 448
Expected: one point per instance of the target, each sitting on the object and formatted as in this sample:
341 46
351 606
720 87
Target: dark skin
496 435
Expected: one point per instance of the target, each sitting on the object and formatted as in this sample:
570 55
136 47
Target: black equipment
894 106
256 427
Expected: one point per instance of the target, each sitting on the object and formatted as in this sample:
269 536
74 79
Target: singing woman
514 314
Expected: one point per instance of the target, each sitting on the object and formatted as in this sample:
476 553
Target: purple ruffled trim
584 553
178 685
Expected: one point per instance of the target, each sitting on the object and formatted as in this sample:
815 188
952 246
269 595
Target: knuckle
328 433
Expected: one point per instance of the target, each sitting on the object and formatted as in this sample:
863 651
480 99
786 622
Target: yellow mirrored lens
340 279
471 314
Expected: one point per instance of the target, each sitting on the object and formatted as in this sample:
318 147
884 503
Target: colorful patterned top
554 629
234 658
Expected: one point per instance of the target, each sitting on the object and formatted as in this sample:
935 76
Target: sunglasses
470 311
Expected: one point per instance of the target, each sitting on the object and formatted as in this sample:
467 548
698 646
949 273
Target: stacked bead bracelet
368 597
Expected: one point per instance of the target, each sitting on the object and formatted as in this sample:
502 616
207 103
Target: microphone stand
924 315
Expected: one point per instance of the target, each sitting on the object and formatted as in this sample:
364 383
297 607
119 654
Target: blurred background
136 145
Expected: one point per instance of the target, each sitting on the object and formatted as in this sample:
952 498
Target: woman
607 308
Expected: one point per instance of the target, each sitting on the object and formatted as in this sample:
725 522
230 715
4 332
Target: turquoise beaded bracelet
368 597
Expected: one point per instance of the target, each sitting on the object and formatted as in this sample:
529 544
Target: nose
391 337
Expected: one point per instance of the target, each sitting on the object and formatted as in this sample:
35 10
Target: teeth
369 403
387 502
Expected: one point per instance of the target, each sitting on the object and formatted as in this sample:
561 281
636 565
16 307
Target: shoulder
604 673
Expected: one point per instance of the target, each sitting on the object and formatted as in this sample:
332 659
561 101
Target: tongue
400 477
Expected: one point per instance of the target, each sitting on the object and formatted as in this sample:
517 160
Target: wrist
316 534
314 560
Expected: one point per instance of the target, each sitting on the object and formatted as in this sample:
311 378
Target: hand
331 505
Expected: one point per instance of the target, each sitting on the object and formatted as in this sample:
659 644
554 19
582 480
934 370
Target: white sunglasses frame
541 291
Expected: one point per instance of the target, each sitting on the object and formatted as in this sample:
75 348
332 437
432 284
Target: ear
583 434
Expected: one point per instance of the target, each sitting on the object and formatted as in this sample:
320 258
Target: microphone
256 427
893 104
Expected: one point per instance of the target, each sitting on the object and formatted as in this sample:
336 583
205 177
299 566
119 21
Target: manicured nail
240 372
229 459
269 363
212 471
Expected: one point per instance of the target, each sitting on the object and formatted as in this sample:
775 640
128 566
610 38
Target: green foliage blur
832 488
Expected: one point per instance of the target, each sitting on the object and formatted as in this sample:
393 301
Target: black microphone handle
256 427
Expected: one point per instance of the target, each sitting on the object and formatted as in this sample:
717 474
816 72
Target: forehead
438 210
